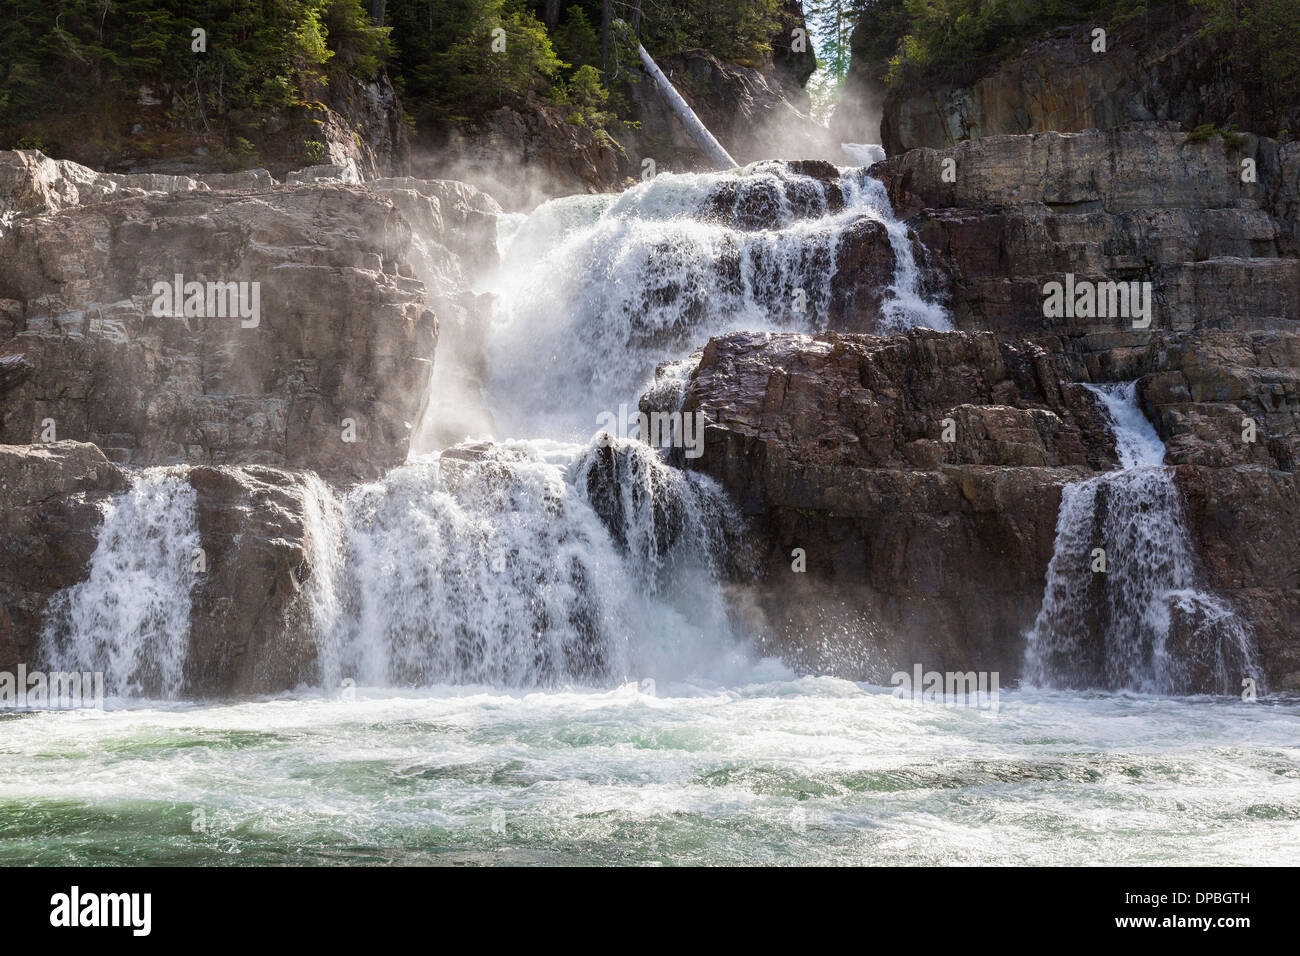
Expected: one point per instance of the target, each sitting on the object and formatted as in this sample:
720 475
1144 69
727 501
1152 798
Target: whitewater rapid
796 771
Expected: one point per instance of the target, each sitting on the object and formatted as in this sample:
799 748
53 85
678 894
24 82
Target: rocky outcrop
366 124
916 547
1223 399
339 332
32 183
346 120
332 372
251 626
903 492
453 214
52 496
252 629
1006 215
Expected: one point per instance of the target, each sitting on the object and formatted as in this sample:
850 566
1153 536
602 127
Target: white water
523 564
863 154
1142 624
808 771
130 617
598 290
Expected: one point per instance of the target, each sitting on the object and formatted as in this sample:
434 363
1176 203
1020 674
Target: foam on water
795 771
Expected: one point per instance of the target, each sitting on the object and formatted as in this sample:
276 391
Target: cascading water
521 564
544 561
600 289
551 560
863 154
1142 624
130 617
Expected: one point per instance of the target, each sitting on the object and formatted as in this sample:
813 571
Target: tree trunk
636 18
606 25
551 16
682 110
377 11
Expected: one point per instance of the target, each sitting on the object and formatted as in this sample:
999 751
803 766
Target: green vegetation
259 54
928 39
919 42
1261 39
1207 131
452 60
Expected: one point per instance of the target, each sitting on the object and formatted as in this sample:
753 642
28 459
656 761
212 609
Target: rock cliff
331 373
1144 202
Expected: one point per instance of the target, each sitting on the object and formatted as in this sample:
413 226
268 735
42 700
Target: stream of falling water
545 669
130 618
1142 624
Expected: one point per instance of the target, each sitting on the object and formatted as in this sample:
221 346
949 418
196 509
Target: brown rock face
251 625
1209 393
921 549
1244 521
524 154
1006 215
347 120
52 495
917 548
343 330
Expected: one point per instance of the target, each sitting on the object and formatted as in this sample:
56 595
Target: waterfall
561 557
518 564
1142 624
570 558
597 290
130 617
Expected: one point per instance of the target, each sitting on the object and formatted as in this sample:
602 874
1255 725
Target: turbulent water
1142 623
790 771
525 647
523 564
601 289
